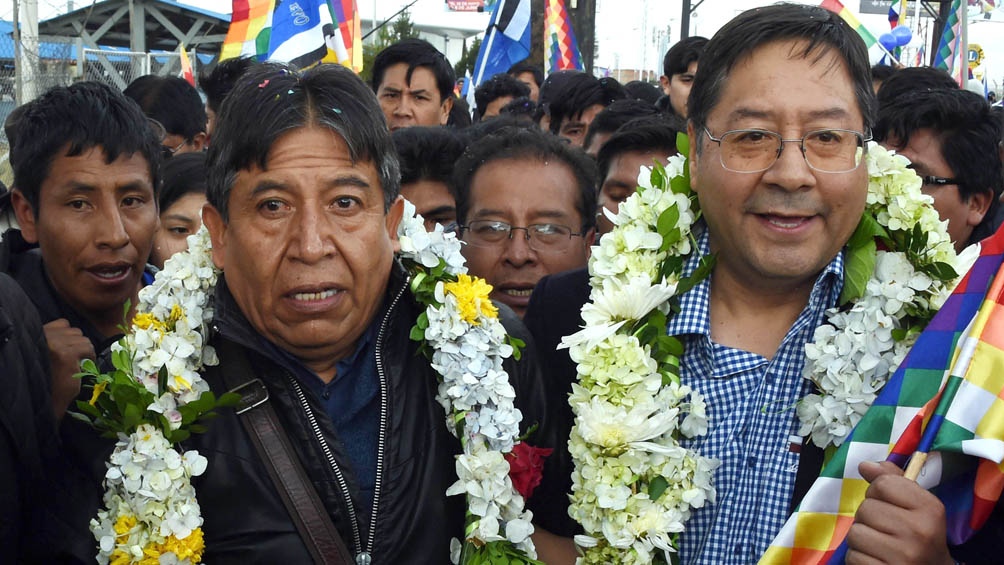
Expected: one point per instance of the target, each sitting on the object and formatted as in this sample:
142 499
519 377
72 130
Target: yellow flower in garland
125 524
472 298
190 549
98 389
146 320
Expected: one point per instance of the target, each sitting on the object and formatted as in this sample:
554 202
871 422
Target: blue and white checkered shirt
751 417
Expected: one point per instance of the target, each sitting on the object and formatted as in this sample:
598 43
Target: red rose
526 467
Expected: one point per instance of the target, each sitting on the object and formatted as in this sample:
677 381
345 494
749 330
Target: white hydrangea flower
855 353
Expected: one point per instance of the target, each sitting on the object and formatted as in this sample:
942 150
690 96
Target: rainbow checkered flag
952 55
947 398
562 49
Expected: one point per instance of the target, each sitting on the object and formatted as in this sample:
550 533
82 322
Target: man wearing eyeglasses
780 112
526 203
951 138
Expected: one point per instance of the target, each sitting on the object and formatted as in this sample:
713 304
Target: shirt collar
694 316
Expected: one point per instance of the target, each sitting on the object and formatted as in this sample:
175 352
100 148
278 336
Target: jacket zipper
363 557
342 484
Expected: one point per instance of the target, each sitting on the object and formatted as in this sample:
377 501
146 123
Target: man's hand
67 348
899 521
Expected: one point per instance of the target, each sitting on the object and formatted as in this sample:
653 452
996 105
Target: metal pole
29 51
17 54
685 20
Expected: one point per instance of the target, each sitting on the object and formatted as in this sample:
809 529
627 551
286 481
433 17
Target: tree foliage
466 63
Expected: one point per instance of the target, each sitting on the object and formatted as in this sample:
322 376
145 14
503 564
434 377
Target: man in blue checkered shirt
779 113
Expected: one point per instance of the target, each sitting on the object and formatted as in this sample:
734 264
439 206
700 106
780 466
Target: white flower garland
634 483
855 353
469 344
151 510
629 418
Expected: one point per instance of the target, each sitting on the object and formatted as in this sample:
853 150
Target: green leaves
862 251
657 487
858 268
120 403
494 553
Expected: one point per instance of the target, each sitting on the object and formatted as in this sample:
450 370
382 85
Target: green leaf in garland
858 268
868 229
941 271
517 346
683 144
703 271
657 487
658 175
680 185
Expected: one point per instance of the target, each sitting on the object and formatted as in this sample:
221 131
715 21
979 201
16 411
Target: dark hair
969 134
69 120
914 79
502 123
526 66
427 153
415 53
282 100
882 72
460 115
576 94
682 54
819 28
644 91
497 87
526 144
521 107
10 125
182 174
616 115
217 83
172 102
641 135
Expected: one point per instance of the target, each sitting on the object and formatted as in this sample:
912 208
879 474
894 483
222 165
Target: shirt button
738 549
751 461
326 394
769 379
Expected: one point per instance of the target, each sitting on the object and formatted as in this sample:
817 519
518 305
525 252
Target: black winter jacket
412 519
28 440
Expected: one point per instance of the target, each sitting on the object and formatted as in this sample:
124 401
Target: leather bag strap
255 413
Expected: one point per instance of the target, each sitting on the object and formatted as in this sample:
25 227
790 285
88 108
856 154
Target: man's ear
217 227
25 215
664 82
978 205
446 107
393 219
589 238
199 141
694 138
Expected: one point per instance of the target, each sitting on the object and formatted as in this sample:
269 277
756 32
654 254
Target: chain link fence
55 65
61 61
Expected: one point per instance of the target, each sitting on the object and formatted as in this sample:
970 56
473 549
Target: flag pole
956 376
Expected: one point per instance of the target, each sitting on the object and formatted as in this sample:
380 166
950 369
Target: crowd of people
300 179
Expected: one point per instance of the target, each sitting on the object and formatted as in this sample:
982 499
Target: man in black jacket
303 216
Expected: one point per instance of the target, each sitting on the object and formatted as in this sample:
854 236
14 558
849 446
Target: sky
630 34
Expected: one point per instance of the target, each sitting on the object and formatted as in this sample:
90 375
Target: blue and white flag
298 31
506 42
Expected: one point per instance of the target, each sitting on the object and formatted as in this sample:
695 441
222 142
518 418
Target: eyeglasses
542 238
824 150
938 181
169 152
